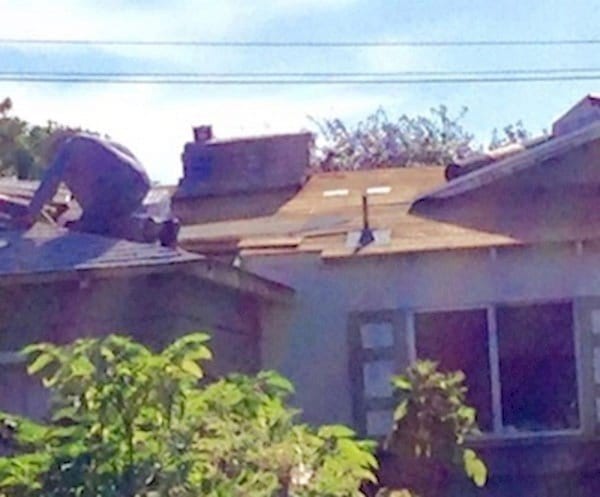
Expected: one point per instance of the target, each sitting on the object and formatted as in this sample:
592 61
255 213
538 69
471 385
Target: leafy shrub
431 423
129 422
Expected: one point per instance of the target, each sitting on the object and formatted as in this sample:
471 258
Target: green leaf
275 380
474 467
402 383
192 368
43 360
335 431
401 411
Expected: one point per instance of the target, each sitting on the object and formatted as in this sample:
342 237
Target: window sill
529 439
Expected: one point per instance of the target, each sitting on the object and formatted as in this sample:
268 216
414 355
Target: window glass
376 335
377 378
537 367
458 340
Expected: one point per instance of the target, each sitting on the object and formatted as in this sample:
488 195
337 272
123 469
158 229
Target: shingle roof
47 249
47 253
497 170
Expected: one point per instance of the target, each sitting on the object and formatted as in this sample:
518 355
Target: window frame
360 355
494 362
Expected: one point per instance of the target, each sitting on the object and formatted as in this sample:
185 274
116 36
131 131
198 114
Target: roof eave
207 270
505 167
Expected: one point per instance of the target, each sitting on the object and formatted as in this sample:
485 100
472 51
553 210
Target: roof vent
378 237
582 114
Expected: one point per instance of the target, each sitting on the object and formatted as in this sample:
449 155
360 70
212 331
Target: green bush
431 423
126 421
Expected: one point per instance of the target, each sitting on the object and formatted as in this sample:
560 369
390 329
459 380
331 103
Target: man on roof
106 179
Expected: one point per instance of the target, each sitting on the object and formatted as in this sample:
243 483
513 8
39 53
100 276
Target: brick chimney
214 167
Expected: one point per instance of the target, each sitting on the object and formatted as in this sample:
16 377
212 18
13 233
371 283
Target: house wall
327 292
310 345
154 309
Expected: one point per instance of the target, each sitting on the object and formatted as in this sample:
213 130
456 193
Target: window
519 362
538 376
459 341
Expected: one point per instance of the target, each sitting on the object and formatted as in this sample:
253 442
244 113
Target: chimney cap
202 133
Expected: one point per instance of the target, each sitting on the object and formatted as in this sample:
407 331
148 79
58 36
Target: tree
381 142
511 133
23 146
126 422
431 424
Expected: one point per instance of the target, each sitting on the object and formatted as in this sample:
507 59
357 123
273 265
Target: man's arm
50 183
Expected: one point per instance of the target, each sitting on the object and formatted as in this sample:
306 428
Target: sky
155 121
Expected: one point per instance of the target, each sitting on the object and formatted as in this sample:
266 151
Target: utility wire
300 74
296 82
304 44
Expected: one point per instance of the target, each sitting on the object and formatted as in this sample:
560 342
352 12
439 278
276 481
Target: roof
313 221
512 164
18 193
46 253
15 193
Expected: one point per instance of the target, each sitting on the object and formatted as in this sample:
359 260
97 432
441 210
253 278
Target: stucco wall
309 343
153 309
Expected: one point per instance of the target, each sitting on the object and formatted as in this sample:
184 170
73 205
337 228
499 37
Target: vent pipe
366 234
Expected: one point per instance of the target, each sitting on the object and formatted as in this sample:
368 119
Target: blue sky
155 121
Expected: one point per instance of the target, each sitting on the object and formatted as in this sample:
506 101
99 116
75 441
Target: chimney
213 167
585 112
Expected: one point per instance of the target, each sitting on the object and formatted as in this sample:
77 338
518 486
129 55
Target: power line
295 82
303 44
299 74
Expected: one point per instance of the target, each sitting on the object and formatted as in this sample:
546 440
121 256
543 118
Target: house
495 271
58 285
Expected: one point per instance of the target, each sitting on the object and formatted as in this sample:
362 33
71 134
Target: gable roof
47 253
527 158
